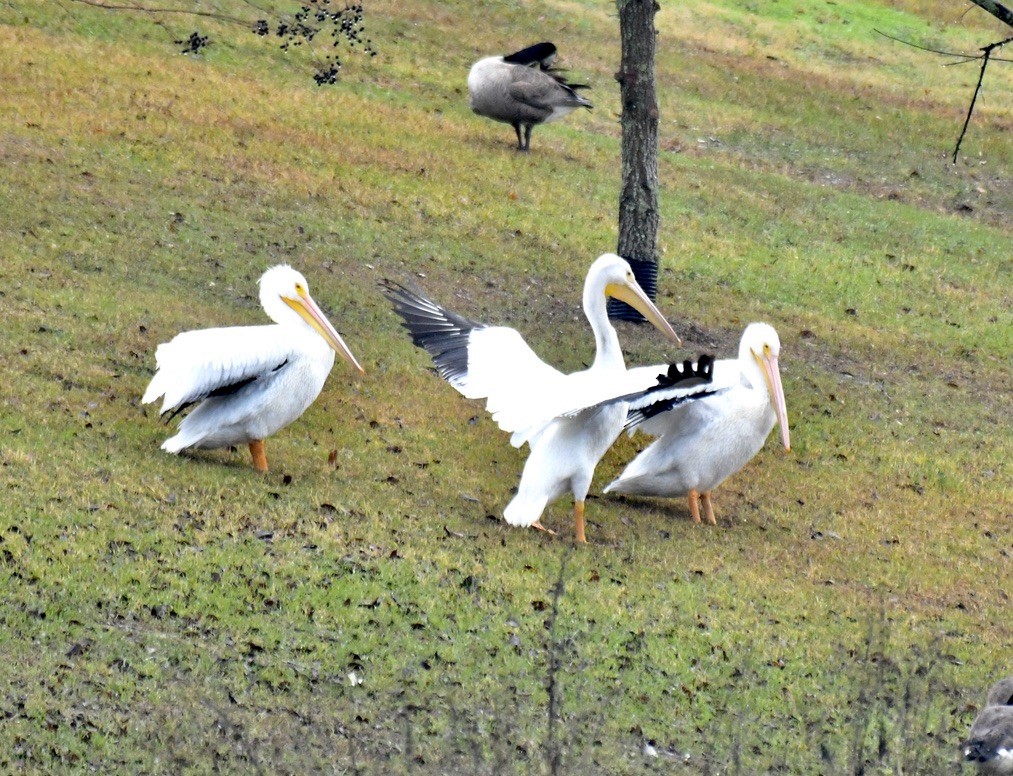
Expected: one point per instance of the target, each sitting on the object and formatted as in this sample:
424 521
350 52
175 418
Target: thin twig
964 57
552 689
986 53
926 48
970 108
975 59
144 9
985 57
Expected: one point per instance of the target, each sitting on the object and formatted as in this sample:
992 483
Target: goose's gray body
522 90
990 742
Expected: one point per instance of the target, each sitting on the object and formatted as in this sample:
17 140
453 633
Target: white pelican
702 443
522 90
528 398
990 742
250 381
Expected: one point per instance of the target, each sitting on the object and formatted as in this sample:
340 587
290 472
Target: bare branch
975 59
145 9
966 57
999 11
985 57
987 52
312 19
555 751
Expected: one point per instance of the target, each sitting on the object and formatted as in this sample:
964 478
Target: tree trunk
638 200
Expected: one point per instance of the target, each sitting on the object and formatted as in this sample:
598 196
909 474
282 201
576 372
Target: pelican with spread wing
247 382
701 443
560 416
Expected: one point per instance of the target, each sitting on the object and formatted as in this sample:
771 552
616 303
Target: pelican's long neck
608 353
295 326
750 370
283 315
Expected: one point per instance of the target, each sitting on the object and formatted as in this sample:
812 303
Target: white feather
248 381
702 443
194 363
526 396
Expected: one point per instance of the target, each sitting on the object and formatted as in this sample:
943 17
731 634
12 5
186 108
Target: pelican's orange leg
259 458
694 505
708 507
578 519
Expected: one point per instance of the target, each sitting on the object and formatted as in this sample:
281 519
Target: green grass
363 608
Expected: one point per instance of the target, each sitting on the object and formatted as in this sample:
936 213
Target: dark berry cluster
193 44
327 73
321 18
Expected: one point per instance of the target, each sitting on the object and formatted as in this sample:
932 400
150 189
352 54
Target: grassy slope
165 613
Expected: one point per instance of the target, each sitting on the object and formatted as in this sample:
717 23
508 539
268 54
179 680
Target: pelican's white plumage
702 443
522 89
527 397
248 381
990 742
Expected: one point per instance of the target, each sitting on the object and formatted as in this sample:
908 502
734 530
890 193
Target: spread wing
482 362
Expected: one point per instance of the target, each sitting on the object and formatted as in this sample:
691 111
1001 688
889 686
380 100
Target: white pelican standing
990 742
248 381
522 90
528 398
702 443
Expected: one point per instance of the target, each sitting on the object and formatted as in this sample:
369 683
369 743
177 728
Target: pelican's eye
766 349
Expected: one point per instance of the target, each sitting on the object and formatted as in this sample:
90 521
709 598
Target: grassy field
363 608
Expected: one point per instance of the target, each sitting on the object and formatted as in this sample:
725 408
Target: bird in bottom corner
560 416
702 443
989 745
522 89
248 382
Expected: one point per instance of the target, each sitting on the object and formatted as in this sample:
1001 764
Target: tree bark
638 199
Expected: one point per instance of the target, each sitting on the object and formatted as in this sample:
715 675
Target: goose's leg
578 519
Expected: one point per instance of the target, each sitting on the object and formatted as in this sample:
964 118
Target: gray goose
522 89
990 742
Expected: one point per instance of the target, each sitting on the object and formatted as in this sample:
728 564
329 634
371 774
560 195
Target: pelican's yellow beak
310 313
631 293
768 364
